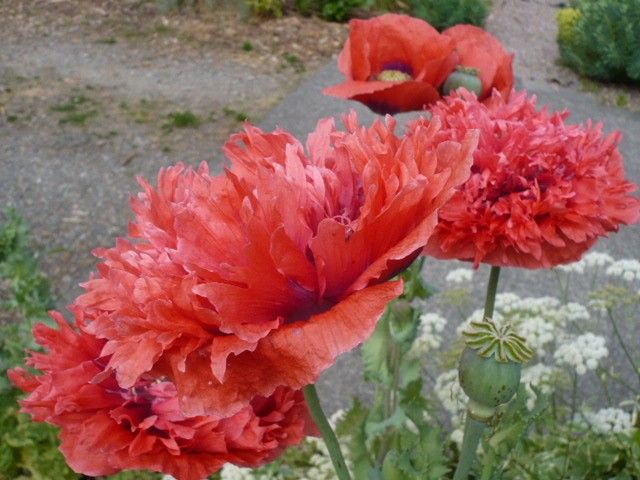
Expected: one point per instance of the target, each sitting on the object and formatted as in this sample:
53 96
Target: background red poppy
398 43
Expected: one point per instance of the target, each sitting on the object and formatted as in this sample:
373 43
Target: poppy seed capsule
490 366
486 381
463 77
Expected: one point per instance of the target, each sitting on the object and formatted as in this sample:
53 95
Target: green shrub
266 8
444 14
333 10
600 39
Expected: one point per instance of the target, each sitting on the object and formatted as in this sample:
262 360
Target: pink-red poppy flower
479 50
394 63
541 192
106 428
239 283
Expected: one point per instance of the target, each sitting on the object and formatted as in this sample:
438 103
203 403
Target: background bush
443 14
333 10
600 39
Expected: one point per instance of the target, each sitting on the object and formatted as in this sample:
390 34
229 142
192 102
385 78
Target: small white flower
582 353
459 275
457 435
597 259
627 269
450 393
575 267
507 301
539 376
573 312
610 420
538 332
232 472
429 334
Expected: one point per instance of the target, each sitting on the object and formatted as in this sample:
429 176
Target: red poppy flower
394 63
239 283
540 193
480 50
106 428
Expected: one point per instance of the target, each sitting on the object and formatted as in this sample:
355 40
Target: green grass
183 119
237 115
247 46
76 111
622 100
294 62
70 105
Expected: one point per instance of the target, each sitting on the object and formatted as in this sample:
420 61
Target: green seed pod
487 381
490 366
463 77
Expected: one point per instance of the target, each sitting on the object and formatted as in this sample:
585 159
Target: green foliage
76 110
444 14
185 119
340 10
333 10
266 8
601 40
30 450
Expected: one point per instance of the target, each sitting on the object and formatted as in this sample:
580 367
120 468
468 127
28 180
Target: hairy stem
472 433
330 439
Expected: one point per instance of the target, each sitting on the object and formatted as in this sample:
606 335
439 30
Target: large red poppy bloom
239 283
540 193
478 49
106 428
394 63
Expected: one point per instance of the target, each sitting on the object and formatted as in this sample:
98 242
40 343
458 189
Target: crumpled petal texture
106 428
236 284
541 192
394 42
479 49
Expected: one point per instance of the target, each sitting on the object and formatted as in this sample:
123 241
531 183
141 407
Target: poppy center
395 72
393 76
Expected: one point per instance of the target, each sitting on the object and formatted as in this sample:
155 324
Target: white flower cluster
572 312
610 420
582 353
320 467
575 267
459 275
539 376
626 269
597 259
538 333
590 260
453 399
429 334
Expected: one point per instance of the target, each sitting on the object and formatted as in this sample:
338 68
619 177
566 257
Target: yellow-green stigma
393 76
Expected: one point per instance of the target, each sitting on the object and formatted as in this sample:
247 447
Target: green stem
330 439
492 289
622 344
473 428
472 433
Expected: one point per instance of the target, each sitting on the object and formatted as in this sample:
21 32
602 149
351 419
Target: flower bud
463 77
